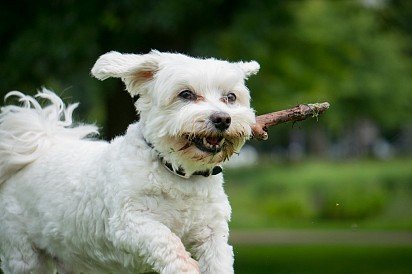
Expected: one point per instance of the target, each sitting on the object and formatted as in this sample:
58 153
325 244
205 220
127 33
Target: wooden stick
298 113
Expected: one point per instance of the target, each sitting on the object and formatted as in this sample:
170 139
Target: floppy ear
133 69
249 68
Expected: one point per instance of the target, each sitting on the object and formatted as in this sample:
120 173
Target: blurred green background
332 195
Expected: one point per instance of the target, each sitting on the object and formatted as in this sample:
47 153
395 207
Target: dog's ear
249 68
133 69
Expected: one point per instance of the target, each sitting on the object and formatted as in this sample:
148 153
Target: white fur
79 205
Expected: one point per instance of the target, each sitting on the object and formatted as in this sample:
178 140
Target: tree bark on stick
298 113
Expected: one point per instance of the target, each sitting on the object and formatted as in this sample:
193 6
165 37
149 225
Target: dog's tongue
213 140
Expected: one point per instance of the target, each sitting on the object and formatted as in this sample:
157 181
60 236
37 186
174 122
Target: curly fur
27 130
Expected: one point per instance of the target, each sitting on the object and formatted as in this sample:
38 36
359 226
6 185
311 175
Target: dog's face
195 112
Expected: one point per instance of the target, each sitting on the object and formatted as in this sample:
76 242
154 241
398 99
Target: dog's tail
28 129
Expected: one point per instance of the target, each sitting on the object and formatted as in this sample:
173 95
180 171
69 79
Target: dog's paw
192 267
184 266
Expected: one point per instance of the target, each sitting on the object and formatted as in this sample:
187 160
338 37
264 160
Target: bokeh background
330 195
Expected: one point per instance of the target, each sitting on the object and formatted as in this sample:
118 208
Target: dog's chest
180 207
181 212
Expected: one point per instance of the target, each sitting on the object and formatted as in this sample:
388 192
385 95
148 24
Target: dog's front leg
212 250
155 243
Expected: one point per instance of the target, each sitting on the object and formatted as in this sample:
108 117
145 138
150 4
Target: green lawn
363 194
322 259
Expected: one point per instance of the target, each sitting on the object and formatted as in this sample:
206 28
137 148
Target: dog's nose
221 120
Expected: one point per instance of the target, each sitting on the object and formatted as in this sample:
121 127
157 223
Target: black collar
181 172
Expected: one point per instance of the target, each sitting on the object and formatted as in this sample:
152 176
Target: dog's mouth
210 144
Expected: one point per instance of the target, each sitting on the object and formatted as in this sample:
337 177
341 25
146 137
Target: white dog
141 202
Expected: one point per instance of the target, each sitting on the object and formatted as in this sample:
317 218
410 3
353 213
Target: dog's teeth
214 146
205 143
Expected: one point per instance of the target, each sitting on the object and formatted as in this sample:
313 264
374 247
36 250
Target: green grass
316 194
322 259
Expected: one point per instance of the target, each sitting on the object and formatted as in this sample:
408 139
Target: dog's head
195 112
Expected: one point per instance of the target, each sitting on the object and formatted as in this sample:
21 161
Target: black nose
221 120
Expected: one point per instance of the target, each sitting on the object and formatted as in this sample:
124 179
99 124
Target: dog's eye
231 97
187 95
